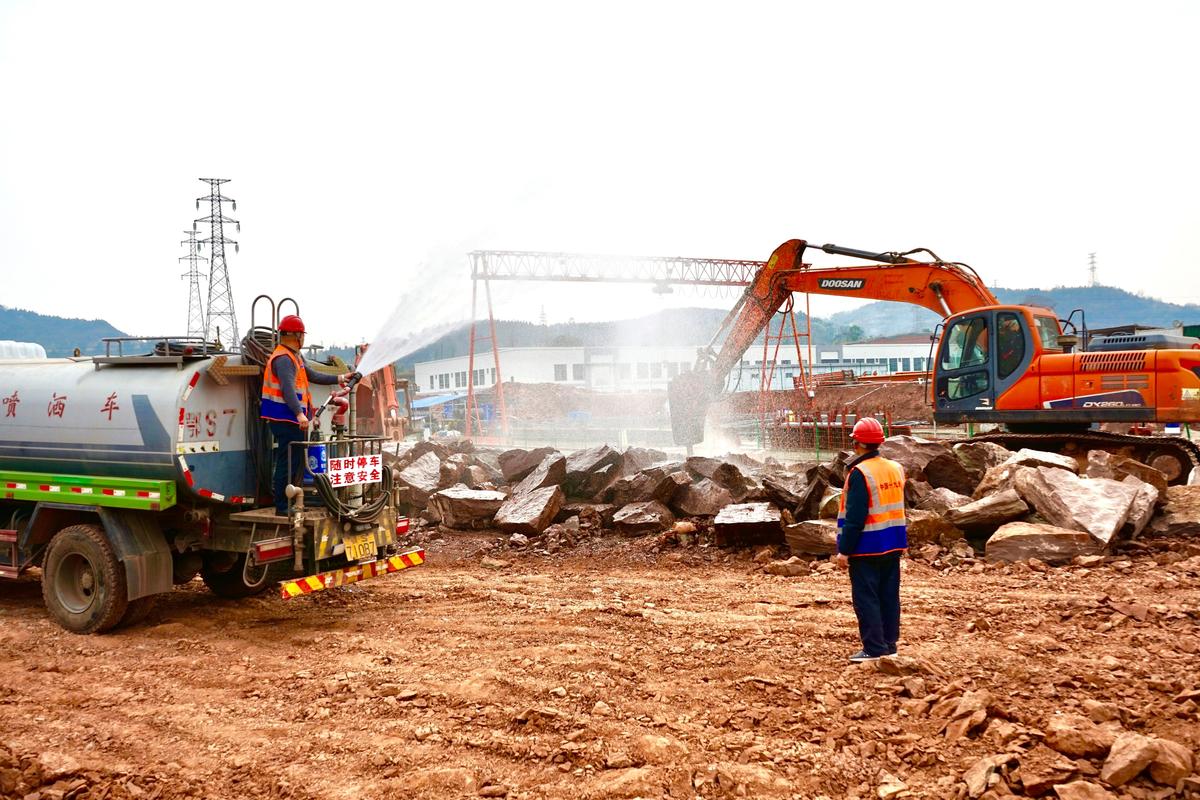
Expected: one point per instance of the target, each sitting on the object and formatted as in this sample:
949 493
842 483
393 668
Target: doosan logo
841 283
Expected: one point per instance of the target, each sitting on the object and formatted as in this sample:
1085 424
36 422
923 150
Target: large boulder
930 526
1001 476
552 471
989 512
748 523
590 470
422 478
1130 754
784 488
722 473
1077 736
701 499
1021 541
655 483
1099 506
813 497
978 457
942 500
637 519
913 453
516 464
812 537
1172 763
530 512
1103 464
637 459
945 471
466 509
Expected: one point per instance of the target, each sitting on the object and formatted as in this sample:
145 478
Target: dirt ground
611 671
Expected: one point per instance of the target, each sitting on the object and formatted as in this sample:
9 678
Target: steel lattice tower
221 312
196 322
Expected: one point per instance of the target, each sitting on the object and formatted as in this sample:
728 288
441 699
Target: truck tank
165 421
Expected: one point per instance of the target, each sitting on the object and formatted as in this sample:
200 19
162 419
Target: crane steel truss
659 271
525 265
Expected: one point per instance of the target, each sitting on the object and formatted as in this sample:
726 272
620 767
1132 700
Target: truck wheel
83 583
240 579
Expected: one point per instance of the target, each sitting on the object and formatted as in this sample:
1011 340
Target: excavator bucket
689 395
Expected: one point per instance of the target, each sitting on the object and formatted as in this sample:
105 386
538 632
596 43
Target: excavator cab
982 354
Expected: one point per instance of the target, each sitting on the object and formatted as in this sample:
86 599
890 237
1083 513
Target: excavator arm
944 287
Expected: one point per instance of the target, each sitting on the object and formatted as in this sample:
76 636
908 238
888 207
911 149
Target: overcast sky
372 145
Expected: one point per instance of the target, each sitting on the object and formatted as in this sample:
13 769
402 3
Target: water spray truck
126 474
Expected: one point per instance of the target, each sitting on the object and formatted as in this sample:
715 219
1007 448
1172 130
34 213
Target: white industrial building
644 368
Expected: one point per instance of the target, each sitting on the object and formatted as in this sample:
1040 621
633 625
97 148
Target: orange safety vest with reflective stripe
274 407
885 530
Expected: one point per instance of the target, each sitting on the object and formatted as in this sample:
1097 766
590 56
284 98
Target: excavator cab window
1010 342
965 358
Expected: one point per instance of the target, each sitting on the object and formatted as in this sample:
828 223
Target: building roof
437 400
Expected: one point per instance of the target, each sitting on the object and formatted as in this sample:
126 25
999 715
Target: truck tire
237 580
83 583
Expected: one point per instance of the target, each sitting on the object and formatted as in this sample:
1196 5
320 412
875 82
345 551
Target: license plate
359 546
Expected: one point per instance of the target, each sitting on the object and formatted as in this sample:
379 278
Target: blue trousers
875 589
284 434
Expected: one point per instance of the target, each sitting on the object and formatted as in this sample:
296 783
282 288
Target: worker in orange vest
287 404
872 535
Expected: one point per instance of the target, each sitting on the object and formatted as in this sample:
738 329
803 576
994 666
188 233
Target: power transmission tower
1092 268
196 326
221 312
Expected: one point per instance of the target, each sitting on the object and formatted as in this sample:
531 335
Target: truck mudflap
351 574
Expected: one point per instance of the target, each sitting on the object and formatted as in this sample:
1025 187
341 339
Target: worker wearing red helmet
872 535
287 403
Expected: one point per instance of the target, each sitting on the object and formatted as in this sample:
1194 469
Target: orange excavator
1020 366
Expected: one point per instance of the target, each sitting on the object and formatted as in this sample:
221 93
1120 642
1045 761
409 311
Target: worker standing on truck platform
287 403
872 535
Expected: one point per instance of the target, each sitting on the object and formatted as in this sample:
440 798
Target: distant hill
58 335
1105 306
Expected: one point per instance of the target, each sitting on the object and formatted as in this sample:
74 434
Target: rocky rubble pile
971 495
57 777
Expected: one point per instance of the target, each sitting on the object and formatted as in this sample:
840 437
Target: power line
196 321
220 296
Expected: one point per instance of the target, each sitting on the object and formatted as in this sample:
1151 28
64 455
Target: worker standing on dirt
872 535
287 403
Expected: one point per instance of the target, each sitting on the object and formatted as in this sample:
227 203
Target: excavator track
1175 456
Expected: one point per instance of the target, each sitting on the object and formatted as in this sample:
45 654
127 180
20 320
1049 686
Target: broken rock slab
988 512
530 513
701 499
1082 790
942 500
1076 736
1103 464
1130 754
422 478
551 471
812 537
649 484
516 464
1002 476
748 523
809 506
601 513
1145 503
784 488
945 471
590 470
722 473
466 509
1021 541
638 519
1099 506
637 459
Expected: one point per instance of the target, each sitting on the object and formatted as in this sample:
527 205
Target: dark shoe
862 656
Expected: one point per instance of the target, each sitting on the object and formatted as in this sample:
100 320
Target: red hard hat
868 431
291 324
